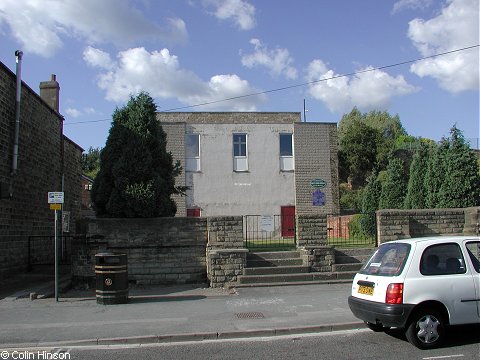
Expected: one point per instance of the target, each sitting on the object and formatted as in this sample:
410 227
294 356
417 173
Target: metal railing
358 230
273 232
41 250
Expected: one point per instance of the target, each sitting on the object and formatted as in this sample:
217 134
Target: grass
289 244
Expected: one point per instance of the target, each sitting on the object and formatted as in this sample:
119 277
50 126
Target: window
88 187
240 157
286 152
473 249
444 259
192 152
388 260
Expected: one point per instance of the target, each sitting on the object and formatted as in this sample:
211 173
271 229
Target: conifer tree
416 191
137 174
395 186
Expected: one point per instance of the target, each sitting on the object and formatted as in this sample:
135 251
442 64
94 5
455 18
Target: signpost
55 199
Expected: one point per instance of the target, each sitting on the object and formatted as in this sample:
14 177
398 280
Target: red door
287 214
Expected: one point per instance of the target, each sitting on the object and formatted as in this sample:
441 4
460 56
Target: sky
252 55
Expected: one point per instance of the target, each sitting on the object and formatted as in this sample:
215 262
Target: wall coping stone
227 251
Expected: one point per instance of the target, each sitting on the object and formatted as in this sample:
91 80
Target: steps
286 268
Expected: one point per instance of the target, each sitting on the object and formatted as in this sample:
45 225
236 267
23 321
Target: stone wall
44 155
319 258
401 224
159 251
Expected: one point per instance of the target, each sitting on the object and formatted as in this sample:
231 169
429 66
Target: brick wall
401 224
316 158
41 147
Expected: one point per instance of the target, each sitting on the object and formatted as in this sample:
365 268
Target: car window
442 259
388 260
473 249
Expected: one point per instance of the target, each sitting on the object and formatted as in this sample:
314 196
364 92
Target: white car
421 285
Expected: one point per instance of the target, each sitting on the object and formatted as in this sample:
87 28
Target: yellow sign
55 206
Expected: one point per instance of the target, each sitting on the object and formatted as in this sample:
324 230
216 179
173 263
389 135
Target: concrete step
351 256
347 267
290 278
273 255
294 283
274 262
276 270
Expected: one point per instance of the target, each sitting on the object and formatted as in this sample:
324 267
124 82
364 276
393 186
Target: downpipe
19 55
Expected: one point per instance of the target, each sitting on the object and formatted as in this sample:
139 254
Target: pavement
30 316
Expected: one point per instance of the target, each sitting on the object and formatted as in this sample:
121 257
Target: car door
447 280
473 257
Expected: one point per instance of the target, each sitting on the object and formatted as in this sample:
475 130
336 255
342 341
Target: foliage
359 145
350 199
91 162
355 228
395 186
461 185
435 174
366 142
137 174
370 203
416 190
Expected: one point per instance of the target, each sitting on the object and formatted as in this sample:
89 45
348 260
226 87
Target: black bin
111 278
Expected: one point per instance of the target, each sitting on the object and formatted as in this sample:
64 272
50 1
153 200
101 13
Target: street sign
55 197
318 183
55 206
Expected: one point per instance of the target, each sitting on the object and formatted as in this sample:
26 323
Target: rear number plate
365 290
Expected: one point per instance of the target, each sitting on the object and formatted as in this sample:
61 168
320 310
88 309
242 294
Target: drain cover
249 315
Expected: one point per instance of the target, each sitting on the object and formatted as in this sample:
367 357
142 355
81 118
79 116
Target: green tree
435 174
395 186
359 146
365 147
370 204
91 162
137 174
461 185
416 191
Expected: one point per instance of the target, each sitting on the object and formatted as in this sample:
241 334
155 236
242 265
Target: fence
41 250
269 232
351 230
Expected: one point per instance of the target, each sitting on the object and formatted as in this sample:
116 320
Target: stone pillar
319 258
311 230
472 221
226 254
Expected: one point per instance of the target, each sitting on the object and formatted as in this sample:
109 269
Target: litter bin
111 278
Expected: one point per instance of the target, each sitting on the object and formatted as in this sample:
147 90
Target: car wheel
376 327
426 330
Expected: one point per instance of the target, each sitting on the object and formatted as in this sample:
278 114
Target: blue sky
191 52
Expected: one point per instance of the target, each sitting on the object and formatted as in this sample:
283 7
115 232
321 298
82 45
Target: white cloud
367 90
411 4
160 74
277 61
97 58
456 27
74 113
240 11
40 25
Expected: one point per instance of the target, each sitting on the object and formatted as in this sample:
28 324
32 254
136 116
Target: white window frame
240 162
287 162
192 163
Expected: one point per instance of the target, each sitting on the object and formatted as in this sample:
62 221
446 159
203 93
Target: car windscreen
388 260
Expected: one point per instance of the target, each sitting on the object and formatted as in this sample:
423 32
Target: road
338 345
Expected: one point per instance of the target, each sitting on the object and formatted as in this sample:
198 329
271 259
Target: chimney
50 92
